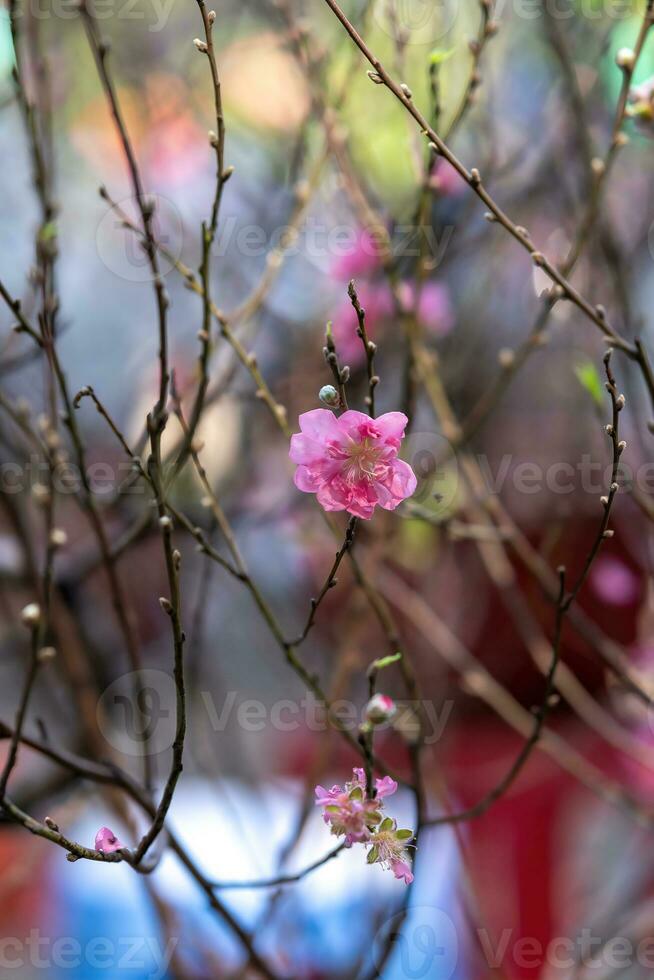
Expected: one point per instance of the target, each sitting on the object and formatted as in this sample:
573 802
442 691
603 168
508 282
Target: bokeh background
317 147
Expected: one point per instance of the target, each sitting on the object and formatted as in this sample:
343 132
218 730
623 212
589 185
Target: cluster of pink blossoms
350 461
360 819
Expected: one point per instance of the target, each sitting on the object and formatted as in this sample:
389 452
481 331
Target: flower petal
319 424
307 480
401 484
385 787
402 871
392 426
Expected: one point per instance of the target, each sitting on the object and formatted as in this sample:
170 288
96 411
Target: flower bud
200 45
31 614
597 166
380 708
41 494
106 841
625 59
58 537
328 395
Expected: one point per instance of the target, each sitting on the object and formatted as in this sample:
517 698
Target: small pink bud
380 708
106 841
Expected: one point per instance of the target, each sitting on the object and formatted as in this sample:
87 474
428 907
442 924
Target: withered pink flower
359 818
350 461
106 841
348 811
388 848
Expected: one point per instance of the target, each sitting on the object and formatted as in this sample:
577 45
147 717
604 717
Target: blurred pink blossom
388 848
431 303
350 461
445 180
614 582
377 302
641 105
106 841
362 260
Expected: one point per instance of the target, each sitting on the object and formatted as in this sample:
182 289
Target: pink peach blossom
349 811
106 841
350 461
641 105
359 818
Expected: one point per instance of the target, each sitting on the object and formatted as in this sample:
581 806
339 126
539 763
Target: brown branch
100 51
595 314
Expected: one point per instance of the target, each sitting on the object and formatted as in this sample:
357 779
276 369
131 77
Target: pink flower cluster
350 461
352 814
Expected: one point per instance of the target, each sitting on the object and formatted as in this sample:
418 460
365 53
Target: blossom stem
330 581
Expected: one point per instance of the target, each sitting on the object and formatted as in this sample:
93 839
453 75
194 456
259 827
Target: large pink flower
350 461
